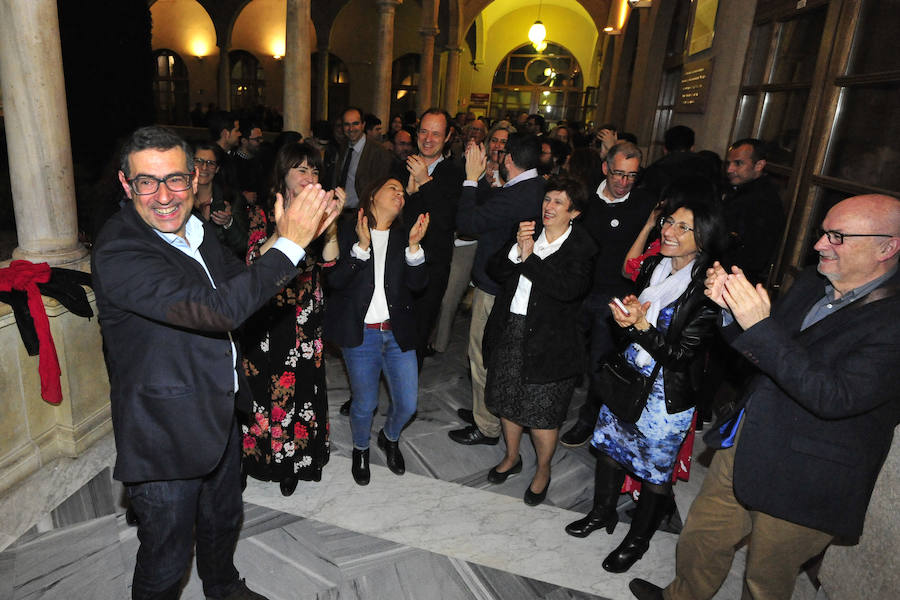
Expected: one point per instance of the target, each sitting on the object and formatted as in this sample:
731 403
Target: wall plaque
693 88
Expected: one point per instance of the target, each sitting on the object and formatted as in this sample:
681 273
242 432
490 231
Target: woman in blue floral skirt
669 325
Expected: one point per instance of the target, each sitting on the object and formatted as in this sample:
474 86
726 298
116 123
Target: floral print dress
287 432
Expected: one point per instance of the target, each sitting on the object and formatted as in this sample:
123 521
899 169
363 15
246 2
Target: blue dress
649 447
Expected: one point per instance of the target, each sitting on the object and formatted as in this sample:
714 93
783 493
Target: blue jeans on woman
380 352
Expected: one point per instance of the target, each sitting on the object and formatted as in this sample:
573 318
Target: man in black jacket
434 186
168 297
493 222
798 463
753 211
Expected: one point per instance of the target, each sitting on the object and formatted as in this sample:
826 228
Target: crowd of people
644 283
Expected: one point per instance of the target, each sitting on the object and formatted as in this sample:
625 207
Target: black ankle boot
392 454
360 468
607 484
651 509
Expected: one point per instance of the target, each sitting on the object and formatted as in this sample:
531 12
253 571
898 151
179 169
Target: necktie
342 182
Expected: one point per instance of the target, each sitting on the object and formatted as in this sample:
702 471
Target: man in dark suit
434 187
361 161
493 222
168 296
818 419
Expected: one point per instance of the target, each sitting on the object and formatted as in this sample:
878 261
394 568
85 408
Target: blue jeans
167 513
380 352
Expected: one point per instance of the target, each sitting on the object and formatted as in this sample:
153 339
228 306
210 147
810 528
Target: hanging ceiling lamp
538 32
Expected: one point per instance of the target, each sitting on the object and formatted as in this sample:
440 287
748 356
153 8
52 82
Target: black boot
360 467
608 480
392 454
651 509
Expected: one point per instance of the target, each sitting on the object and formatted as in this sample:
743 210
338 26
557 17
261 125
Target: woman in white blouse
531 343
370 316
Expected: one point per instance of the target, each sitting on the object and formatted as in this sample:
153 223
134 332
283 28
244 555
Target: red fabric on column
23 275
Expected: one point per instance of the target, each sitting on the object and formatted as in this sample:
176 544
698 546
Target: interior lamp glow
277 49
537 33
199 48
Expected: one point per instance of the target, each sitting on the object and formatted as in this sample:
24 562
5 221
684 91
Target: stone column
384 57
224 77
324 80
37 133
426 68
452 93
297 51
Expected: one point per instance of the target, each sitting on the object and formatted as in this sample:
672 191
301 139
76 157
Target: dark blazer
552 348
165 330
495 220
755 218
374 163
351 283
439 197
821 414
692 327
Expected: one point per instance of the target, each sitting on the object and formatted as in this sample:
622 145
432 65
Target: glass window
758 54
247 80
746 118
170 86
877 44
798 46
780 126
866 137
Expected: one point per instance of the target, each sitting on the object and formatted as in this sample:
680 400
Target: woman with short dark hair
530 344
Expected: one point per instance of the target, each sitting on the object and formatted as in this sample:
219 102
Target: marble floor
438 532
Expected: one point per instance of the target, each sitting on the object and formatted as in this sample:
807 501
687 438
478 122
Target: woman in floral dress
285 438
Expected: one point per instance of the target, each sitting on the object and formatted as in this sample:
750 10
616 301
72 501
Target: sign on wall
693 88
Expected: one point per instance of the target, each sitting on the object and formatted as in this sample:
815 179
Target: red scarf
23 275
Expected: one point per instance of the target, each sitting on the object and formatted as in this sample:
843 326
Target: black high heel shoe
288 485
594 521
495 476
532 498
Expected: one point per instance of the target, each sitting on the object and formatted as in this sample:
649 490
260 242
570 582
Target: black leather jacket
680 350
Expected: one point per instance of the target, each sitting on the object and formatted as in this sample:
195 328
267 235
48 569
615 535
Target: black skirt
507 395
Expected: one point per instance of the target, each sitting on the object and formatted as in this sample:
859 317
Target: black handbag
624 390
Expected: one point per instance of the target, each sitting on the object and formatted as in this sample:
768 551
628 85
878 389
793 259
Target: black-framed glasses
256 139
680 228
202 162
836 238
144 185
630 176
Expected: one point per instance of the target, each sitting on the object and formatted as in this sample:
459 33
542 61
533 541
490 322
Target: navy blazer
351 284
165 330
495 220
820 417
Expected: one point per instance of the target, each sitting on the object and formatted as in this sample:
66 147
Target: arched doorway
549 82
170 89
404 83
338 83
248 84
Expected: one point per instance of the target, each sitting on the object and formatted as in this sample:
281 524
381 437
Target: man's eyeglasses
623 175
144 185
680 228
257 139
203 163
836 238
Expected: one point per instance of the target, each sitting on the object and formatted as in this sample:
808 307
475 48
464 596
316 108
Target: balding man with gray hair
799 458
